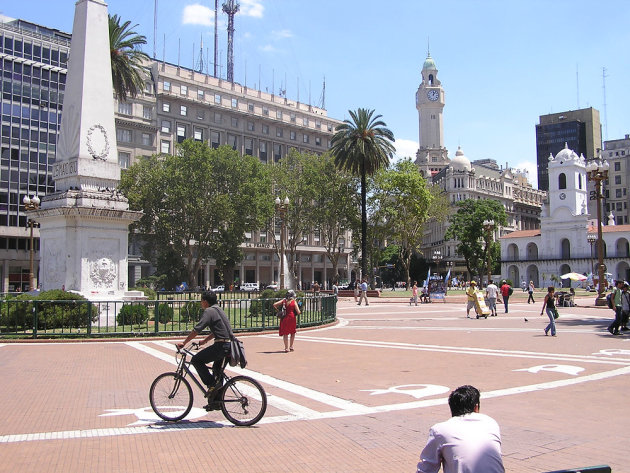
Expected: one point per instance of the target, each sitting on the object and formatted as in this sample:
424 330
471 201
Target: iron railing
176 315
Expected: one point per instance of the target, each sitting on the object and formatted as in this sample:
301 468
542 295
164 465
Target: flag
426 283
448 275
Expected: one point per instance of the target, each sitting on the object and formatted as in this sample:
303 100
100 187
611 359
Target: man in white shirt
469 442
491 293
364 288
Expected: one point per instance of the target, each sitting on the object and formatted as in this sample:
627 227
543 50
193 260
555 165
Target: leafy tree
466 226
362 146
400 204
126 58
198 204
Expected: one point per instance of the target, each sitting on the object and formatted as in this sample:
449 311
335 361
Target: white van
250 286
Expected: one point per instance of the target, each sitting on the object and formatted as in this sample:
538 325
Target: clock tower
432 156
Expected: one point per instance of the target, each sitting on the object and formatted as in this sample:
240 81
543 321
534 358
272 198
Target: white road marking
566 369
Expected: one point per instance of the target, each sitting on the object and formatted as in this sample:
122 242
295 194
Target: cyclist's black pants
215 352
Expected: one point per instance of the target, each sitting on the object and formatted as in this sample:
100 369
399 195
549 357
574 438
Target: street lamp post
488 226
31 204
592 238
597 171
281 209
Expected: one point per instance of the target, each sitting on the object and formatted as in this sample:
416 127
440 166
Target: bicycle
242 399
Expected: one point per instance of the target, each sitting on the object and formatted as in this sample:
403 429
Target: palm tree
126 58
362 146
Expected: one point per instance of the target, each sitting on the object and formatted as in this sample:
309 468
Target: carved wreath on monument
103 272
104 142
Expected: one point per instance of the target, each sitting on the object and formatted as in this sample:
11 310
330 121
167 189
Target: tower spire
230 7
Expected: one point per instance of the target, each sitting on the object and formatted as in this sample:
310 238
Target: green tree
400 205
126 58
466 226
362 146
198 204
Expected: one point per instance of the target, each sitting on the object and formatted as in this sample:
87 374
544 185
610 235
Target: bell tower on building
432 156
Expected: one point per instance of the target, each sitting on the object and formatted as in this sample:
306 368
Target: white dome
460 162
566 155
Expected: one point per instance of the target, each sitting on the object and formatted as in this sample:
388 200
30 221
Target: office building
617 153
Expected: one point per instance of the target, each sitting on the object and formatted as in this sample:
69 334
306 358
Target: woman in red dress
288 323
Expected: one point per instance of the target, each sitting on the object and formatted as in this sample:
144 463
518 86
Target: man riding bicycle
214 318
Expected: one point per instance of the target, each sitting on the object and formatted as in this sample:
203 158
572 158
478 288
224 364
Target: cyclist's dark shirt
211 318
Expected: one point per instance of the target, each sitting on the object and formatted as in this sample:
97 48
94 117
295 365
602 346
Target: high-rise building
580 130
176 103
617 153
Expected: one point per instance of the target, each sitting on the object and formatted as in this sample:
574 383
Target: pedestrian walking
550 304
356 290
414 294
625 306
530 289
616 302
288 323
471 295
364 288
506 292
492 291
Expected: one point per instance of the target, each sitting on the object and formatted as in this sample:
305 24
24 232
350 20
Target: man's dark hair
463 400
210 297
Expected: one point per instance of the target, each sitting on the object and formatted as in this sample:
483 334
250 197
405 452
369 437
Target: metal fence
170 315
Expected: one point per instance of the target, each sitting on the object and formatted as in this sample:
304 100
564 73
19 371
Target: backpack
609 301
510 290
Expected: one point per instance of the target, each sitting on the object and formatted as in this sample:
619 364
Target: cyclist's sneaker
214 389
212 406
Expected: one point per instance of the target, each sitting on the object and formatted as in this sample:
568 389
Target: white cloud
405 149
253 8
267 48
197 14
281 34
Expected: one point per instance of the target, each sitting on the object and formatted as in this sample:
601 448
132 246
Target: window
146 139
292 135
215 139
562 181
305 138
217 117
250 107
618 193
249 146
235 122
166 126
617 180
265 129
318 141
329 127
305 121
251 126
292 117
123 159
265 111
198 134
234 103
217 99
166 86
181 133
166 107
183 110
165 147
123 135
318 124
147 112
183 90
279 132
279 114
232 141
201 114
263 151
200 95
277 152
617 166
125 108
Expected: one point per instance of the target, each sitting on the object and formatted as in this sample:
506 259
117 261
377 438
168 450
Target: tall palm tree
126 58
362 146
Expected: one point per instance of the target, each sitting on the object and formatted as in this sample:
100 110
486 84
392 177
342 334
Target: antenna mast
200 63
577 83
216 35
155 28
605 113
230 7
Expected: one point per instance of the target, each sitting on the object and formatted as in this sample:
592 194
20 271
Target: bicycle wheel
171 396
243 401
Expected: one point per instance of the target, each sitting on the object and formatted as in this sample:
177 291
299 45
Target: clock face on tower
433 95
563 196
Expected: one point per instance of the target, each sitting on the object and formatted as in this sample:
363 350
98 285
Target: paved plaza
358 396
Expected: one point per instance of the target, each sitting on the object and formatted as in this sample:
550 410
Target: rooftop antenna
230 7
428 46
605 113
216 35
155 7
179 50
200 63
322 99
577 82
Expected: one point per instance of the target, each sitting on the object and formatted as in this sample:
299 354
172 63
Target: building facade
177 103
617 153
561 245
579 129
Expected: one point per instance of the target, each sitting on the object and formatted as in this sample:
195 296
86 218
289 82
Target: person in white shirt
364 288
491 293
469 442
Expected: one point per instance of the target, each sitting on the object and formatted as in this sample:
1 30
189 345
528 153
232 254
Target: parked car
273 286
250 286
220 288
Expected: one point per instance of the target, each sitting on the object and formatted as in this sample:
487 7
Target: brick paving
359 396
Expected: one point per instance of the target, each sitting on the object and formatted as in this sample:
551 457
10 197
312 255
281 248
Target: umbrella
574 277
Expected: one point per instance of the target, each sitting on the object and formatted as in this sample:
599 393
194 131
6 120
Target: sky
502 63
